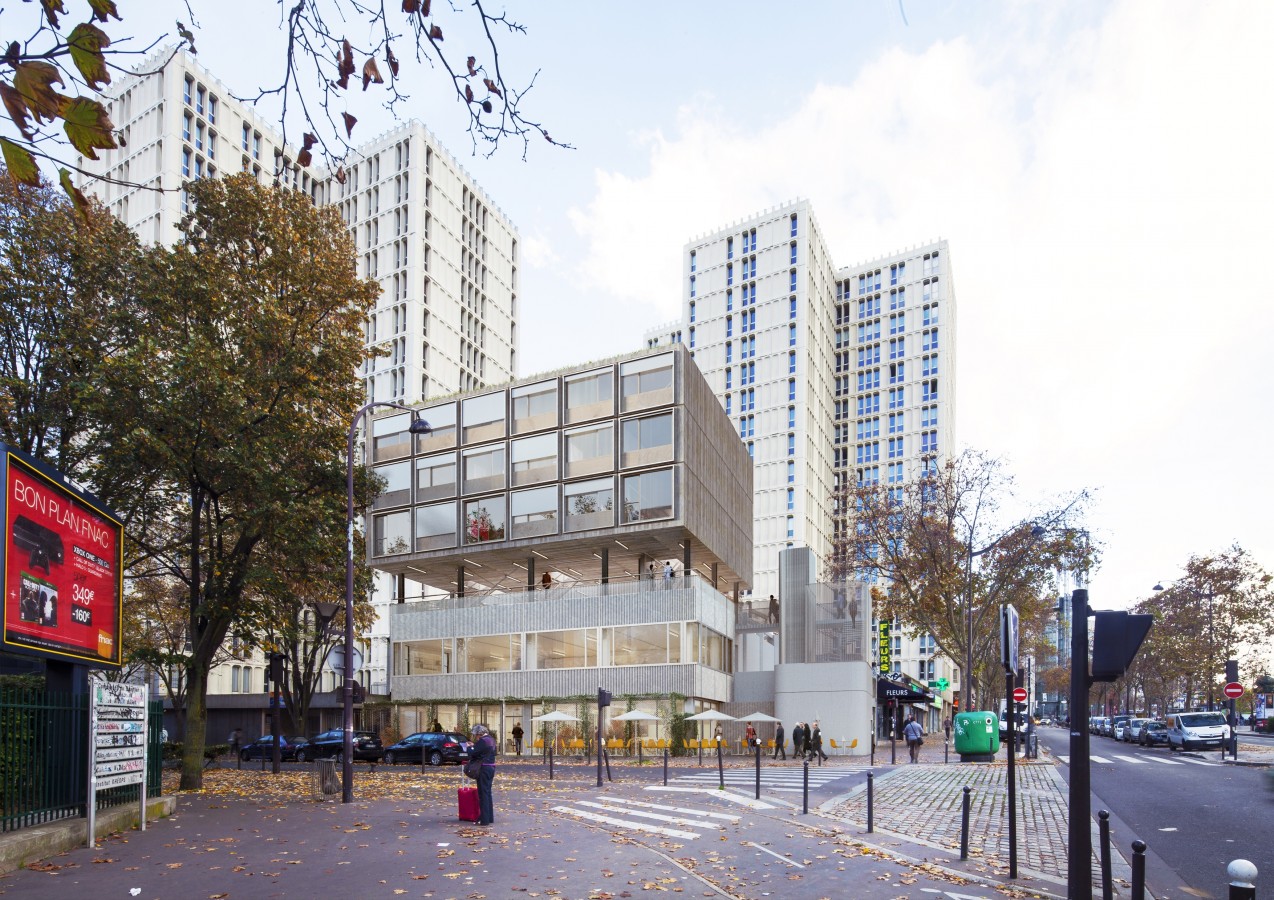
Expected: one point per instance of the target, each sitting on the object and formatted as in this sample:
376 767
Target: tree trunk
196 730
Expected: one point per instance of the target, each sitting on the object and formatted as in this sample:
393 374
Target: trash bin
325 782
1032 745
977 736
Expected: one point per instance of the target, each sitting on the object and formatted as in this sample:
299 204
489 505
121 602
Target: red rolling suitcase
468 800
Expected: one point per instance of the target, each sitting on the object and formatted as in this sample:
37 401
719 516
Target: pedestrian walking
915 737
484 753
717 736
517 738
778 742
668 574
798 740
546 581
774 610
749 735
816 743
946 727
651 570
235 741
436 728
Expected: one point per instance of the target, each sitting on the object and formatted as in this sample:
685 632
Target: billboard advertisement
62 568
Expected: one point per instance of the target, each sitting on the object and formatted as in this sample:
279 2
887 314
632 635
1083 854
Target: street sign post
1019 695
1233 690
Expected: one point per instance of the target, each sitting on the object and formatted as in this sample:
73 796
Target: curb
21 848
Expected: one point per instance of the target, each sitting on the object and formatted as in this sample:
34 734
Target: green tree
222 427
916 538
49 81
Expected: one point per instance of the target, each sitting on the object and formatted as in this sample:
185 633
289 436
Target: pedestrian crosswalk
663 819
778 780
1144 760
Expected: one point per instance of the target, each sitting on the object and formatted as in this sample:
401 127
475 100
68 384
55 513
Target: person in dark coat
798 740
778 741
517 737
816 743
484 751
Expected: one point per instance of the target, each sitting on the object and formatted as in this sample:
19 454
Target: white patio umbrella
636 715
758 717
557 717
711 715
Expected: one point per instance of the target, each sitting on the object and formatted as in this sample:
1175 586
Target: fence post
1242 880
964 826
1138 870
1107 889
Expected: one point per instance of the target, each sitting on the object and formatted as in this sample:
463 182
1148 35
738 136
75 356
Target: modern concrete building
590 528
445 255
831 375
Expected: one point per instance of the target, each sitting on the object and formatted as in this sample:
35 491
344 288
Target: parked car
1125 730
332 743
1153 733
263 747
1113 723
1197 730
1098 725
436 748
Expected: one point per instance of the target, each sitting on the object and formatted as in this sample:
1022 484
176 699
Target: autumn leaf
185 34
34 82
349 123
51 10
340 175
371 74
435 33
104 9
87 125
305 157
20 163
468 94
492 86
469 62
86 43
391 61
76 195
17 109
411 6
344 64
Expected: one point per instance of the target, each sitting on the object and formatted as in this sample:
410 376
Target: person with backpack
915 737
484 753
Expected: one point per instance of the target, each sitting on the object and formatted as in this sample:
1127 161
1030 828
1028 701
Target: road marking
671 820
1199 762
1131 759
713 792
624 823
1166 762
681 809
777 856
1100 759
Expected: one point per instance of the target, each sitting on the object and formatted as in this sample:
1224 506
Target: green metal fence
44 758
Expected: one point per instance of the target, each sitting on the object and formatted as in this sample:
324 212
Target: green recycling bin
977 736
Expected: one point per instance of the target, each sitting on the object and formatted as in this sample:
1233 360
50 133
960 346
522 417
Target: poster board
117 742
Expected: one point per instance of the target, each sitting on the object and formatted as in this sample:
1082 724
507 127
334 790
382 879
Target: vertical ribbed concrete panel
797 568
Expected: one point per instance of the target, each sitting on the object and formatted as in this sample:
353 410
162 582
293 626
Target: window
484 520
748 370
898 298
929 391
793 254
648 496
534 406
868 404
791 527
533 512
442 419
791 498
692 262
895 423
791 389
791 417
791 308
868 379
390 437
397 478
186 90
436 526
729 273
791 361
791 445
896 448
897 272
692 337
869 452
896 373
747 400
483 417
747 426
436 477
729 375
869 428
728 398
692 312
928 416
896 398
897 324
729 248
185 162
590 395
187 124
534 459
897 348
928 442
483 469
212 110
391 533
647 440
791 472
589 504
729 301
929 366
564 649
793 226
692 285
791 335
644 382
929 340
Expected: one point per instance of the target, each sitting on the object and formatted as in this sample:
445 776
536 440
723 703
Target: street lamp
1210 596
1036 532
418 426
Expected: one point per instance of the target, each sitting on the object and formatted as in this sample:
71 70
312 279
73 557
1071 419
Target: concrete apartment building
590 529
830 375
443 252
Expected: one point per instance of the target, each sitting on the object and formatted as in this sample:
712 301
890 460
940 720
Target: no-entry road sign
1234 689
1019 694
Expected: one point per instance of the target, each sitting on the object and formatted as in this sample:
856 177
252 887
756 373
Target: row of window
896 423
657 644
551 509
642 383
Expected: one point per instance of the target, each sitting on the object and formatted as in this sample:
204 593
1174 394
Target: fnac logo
105 645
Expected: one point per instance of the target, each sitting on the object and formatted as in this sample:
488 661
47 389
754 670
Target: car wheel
244 755
300 756
435 758
340 757
389 759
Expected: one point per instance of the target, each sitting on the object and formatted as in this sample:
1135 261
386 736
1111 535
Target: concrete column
685 559
402 588
605 565
714 576
459 581
530 573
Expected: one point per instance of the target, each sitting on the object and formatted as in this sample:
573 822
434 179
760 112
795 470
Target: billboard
62 568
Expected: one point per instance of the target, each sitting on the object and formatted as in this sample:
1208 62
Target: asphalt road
1195 813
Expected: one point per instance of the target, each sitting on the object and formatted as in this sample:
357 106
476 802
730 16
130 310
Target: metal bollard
964 826
720 769
1242 880
758 769
870 797
805 789
665 766
1138 870
550 756
1103 825
946 747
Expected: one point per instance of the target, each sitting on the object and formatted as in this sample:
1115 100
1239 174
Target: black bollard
550 759
720 769
1103 825
1138 870
606 758
964 826
665 767
946 745
1242 880
758 770
871 789
805 788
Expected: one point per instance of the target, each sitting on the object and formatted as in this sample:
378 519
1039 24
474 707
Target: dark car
434 747
332 743
263 747
1152 733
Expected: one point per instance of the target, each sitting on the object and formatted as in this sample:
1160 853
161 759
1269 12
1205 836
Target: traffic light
1117 636
276 668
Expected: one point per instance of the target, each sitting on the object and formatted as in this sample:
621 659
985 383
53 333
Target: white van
1197 730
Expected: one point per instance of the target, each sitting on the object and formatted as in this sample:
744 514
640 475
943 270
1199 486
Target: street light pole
418 426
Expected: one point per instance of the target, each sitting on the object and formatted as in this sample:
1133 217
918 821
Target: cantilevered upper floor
606 471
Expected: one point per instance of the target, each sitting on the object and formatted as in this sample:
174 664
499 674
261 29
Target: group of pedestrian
807 742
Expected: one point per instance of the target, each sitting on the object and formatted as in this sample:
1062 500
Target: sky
1101 171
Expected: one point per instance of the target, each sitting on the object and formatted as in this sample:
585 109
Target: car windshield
1202 720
